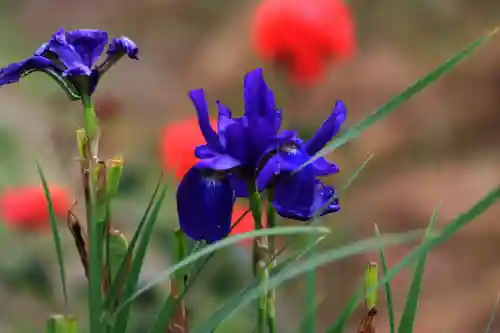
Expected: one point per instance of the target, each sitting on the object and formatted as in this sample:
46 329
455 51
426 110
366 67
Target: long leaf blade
449 230
245 298
410 310
122 271
217 246
121 321
387 285
399 99
55 233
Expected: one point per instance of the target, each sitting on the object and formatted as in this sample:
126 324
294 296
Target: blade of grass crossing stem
356 248
410 310
387 285
492 314
449 230
341 323
306 250
162 276
120 276
399 99
55 234
135 269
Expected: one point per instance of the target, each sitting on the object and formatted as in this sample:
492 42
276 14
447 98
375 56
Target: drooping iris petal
13 72
294 194
200 103
205 205
301 196
328 130
67 54
88 43
326 200
123 45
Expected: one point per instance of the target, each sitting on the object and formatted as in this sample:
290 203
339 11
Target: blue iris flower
251 150
71 58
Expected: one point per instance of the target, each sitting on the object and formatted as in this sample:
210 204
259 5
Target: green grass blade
399 99
492 314
308 323
245 297
121 321
449 230
122 271
410 310
387 285
219 245
55 234
355 174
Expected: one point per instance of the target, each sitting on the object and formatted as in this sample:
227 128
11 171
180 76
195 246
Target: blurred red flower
303 35
25 208
246 224
178 141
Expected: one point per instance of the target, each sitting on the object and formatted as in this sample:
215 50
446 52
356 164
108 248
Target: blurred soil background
440 147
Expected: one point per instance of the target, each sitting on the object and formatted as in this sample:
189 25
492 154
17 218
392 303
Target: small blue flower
250 150
71 56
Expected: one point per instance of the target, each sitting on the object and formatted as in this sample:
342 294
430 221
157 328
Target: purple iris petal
13 72
223 122
239 186
234 135
259 99
204 151
287 160
294 194
322 167
67 54
88 43
328 130
219 162
123 45
200 103
301 196
205 205
326 200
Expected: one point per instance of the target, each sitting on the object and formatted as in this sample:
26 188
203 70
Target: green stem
95 239
271 295
259 264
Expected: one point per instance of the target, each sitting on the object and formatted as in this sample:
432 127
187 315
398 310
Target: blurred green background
440 146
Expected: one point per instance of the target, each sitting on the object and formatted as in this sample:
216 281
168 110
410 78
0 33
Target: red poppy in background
303 35
25 208
245 225
178 141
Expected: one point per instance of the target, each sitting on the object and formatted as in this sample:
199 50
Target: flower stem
271 295
94 234
260 249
